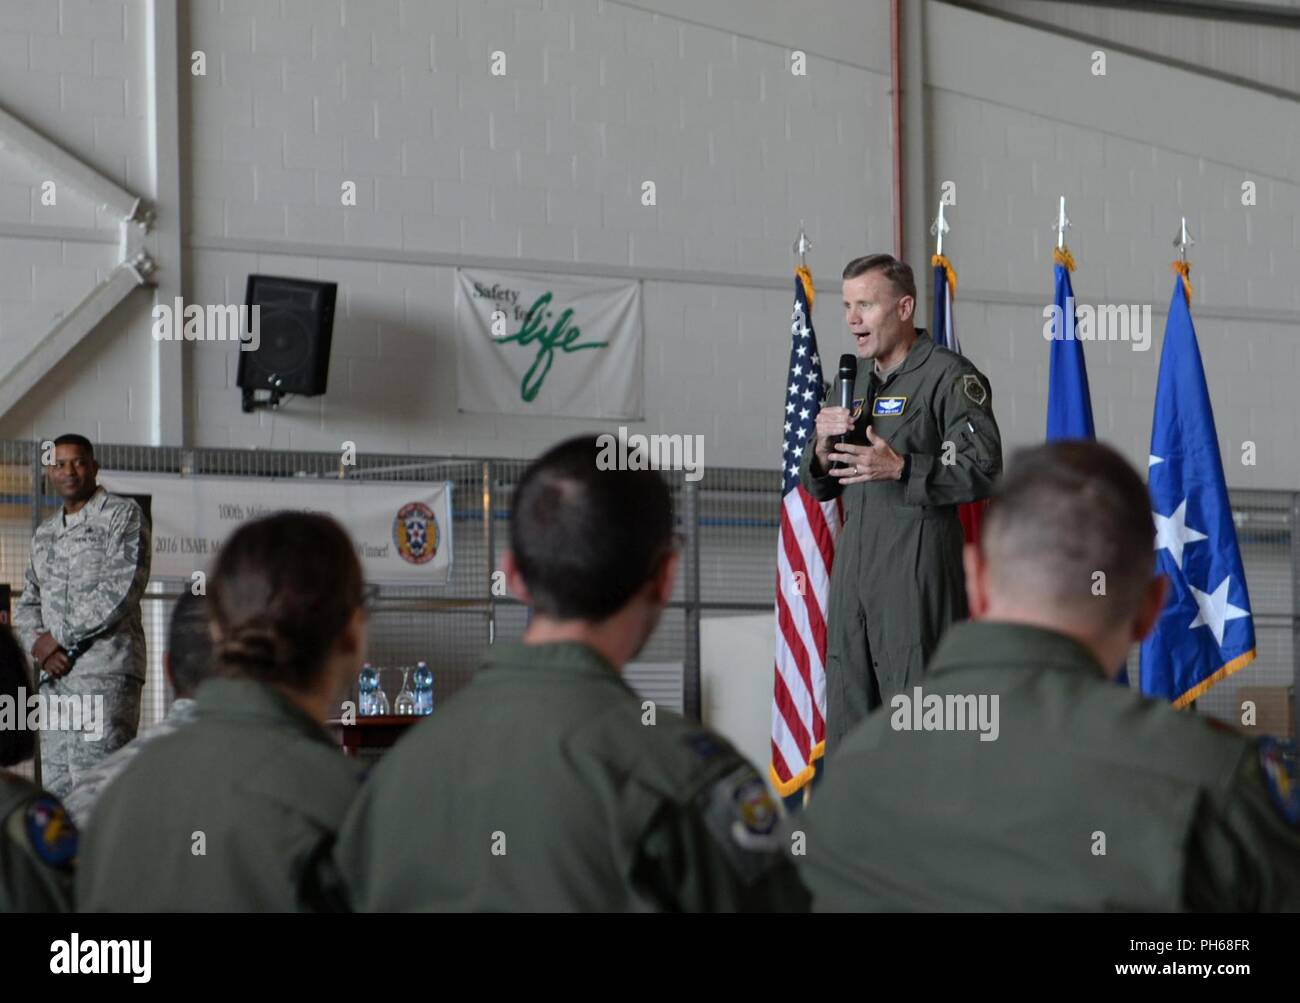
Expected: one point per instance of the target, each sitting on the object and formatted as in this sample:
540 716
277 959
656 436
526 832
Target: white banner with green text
553 345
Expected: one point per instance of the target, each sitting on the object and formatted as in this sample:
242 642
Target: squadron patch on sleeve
1277 761
856 413
744 819
50 832
974 390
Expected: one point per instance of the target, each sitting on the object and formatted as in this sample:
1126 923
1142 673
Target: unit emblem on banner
415 533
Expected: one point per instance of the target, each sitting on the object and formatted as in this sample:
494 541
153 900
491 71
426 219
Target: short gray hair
898 272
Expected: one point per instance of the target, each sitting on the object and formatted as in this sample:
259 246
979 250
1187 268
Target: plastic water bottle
367 684
423 688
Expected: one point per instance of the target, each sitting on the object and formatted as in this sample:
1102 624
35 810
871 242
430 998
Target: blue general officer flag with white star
1205 632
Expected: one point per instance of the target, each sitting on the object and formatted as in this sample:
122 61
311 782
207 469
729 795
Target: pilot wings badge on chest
889 407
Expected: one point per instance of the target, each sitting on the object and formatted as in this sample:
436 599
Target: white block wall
75 71
1132 151
544 165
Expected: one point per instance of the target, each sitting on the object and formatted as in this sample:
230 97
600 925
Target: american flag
804 554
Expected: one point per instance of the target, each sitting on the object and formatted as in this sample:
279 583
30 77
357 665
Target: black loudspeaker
296 325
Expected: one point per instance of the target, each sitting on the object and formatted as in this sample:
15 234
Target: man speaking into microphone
919 440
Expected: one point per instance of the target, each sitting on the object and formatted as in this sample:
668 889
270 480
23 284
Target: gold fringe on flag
1198 691
1062 256
939 259
805 276
1184 268
801 779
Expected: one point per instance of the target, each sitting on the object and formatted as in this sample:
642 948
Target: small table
365 734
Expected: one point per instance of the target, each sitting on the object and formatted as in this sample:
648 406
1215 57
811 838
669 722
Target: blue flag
1069 406
1205 632
945 284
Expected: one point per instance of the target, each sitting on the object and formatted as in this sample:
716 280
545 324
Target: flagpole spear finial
1061 223
939 227
802 246
1183 240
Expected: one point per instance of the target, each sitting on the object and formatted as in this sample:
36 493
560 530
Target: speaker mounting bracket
253 403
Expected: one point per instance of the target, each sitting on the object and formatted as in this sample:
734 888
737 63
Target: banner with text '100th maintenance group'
401 529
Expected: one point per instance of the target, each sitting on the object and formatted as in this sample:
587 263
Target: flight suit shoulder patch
1278 764
744 820
50 833
973 388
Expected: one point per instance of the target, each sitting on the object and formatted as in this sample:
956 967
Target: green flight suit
253 783
541 786
897 580
38 849
940 820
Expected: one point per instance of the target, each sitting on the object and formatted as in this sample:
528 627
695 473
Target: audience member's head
189 657
590 545
1068 543
286 605
16 744
75 470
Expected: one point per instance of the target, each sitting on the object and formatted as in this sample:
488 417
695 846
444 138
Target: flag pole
802 246
939 227
1183 240
1061 223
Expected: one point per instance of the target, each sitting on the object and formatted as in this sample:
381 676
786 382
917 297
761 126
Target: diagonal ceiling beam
133 269
66 334
46 157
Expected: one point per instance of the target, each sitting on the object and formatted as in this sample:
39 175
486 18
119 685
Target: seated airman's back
1020 776
232 812
546 783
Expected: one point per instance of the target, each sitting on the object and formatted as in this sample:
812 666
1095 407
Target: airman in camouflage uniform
79 615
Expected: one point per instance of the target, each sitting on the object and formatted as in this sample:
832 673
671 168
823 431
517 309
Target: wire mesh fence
727 520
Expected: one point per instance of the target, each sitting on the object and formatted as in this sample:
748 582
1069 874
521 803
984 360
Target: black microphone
848 376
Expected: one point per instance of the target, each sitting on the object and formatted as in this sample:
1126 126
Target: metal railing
728 521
